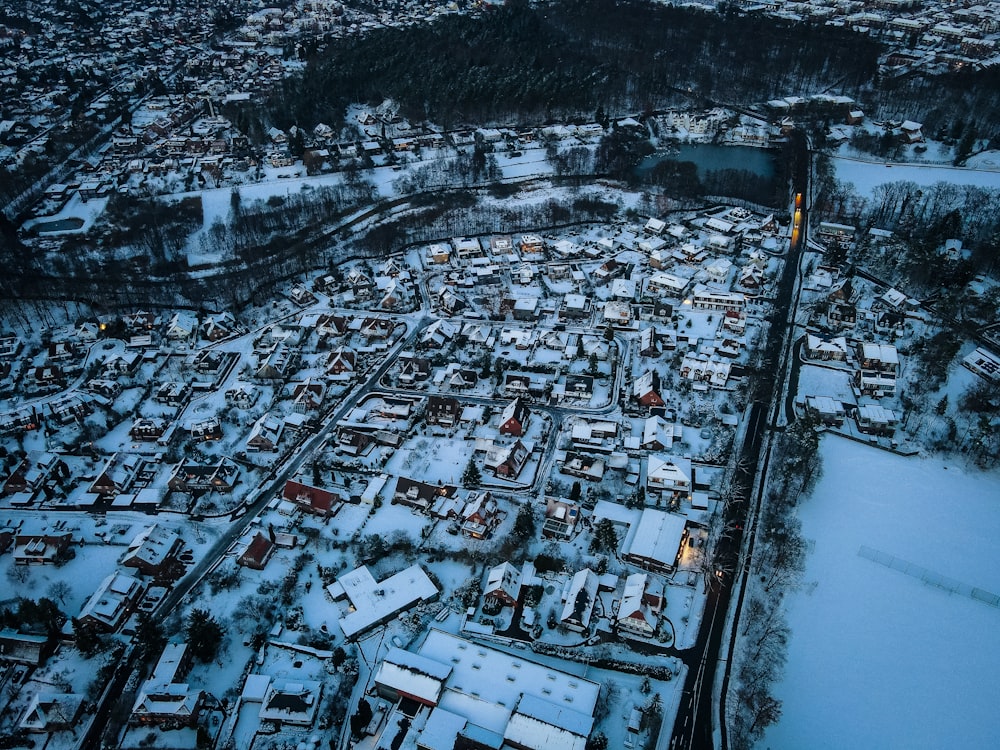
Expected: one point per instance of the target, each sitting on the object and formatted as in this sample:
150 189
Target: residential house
583 466
163 699
242 395
876 420
641 603
705 298
189 476
120 473
646 389
829 411
111 604
507 461
659 435
515 418
257 552
42 549
293 702
265 434
146 429
669 475
308 396
279 364
878 367
172 393
442 410
206 429
218 327
654 541
181 326
50 712
342 363
825 349
503 585
480 516
419 494
579 597
154 552
561 518
310 499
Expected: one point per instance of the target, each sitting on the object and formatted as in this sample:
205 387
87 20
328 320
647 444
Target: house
42 549
189 476
876 420
561 517
172 393
437 334
829 411
706 298
25 648
293 702
463 378
307 396
878 366
654 541
419 494
148 430
825 349
278 364
503 585
515 418
120 473
579 597
507 461
659 435
375 602
181 326
313 500
668 474
266 434
648 346
583 466
480 516
984 363
911 132
342 363
617 313
34 471
154 551
575 388
413 368
646 389
111 604
442 410
641 603
705 368
163 699
50 712
257 553
242 395
206 429
218 327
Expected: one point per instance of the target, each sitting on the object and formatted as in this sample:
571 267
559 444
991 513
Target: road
699 714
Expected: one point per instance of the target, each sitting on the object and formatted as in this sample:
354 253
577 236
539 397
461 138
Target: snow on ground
826 381
877 658
867 175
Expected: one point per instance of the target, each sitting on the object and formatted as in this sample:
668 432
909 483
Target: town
379 432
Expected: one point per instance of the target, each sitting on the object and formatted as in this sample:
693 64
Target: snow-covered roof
375 601
413 674
540 725
657 536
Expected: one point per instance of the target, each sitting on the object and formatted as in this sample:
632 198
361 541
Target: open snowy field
867 175
877 658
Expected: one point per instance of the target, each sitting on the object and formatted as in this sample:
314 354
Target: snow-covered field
878 658
867 175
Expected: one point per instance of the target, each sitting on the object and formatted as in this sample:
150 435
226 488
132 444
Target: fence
930 577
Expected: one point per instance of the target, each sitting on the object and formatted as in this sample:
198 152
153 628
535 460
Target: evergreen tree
204 635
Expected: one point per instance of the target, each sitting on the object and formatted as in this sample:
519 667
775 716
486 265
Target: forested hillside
532 63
